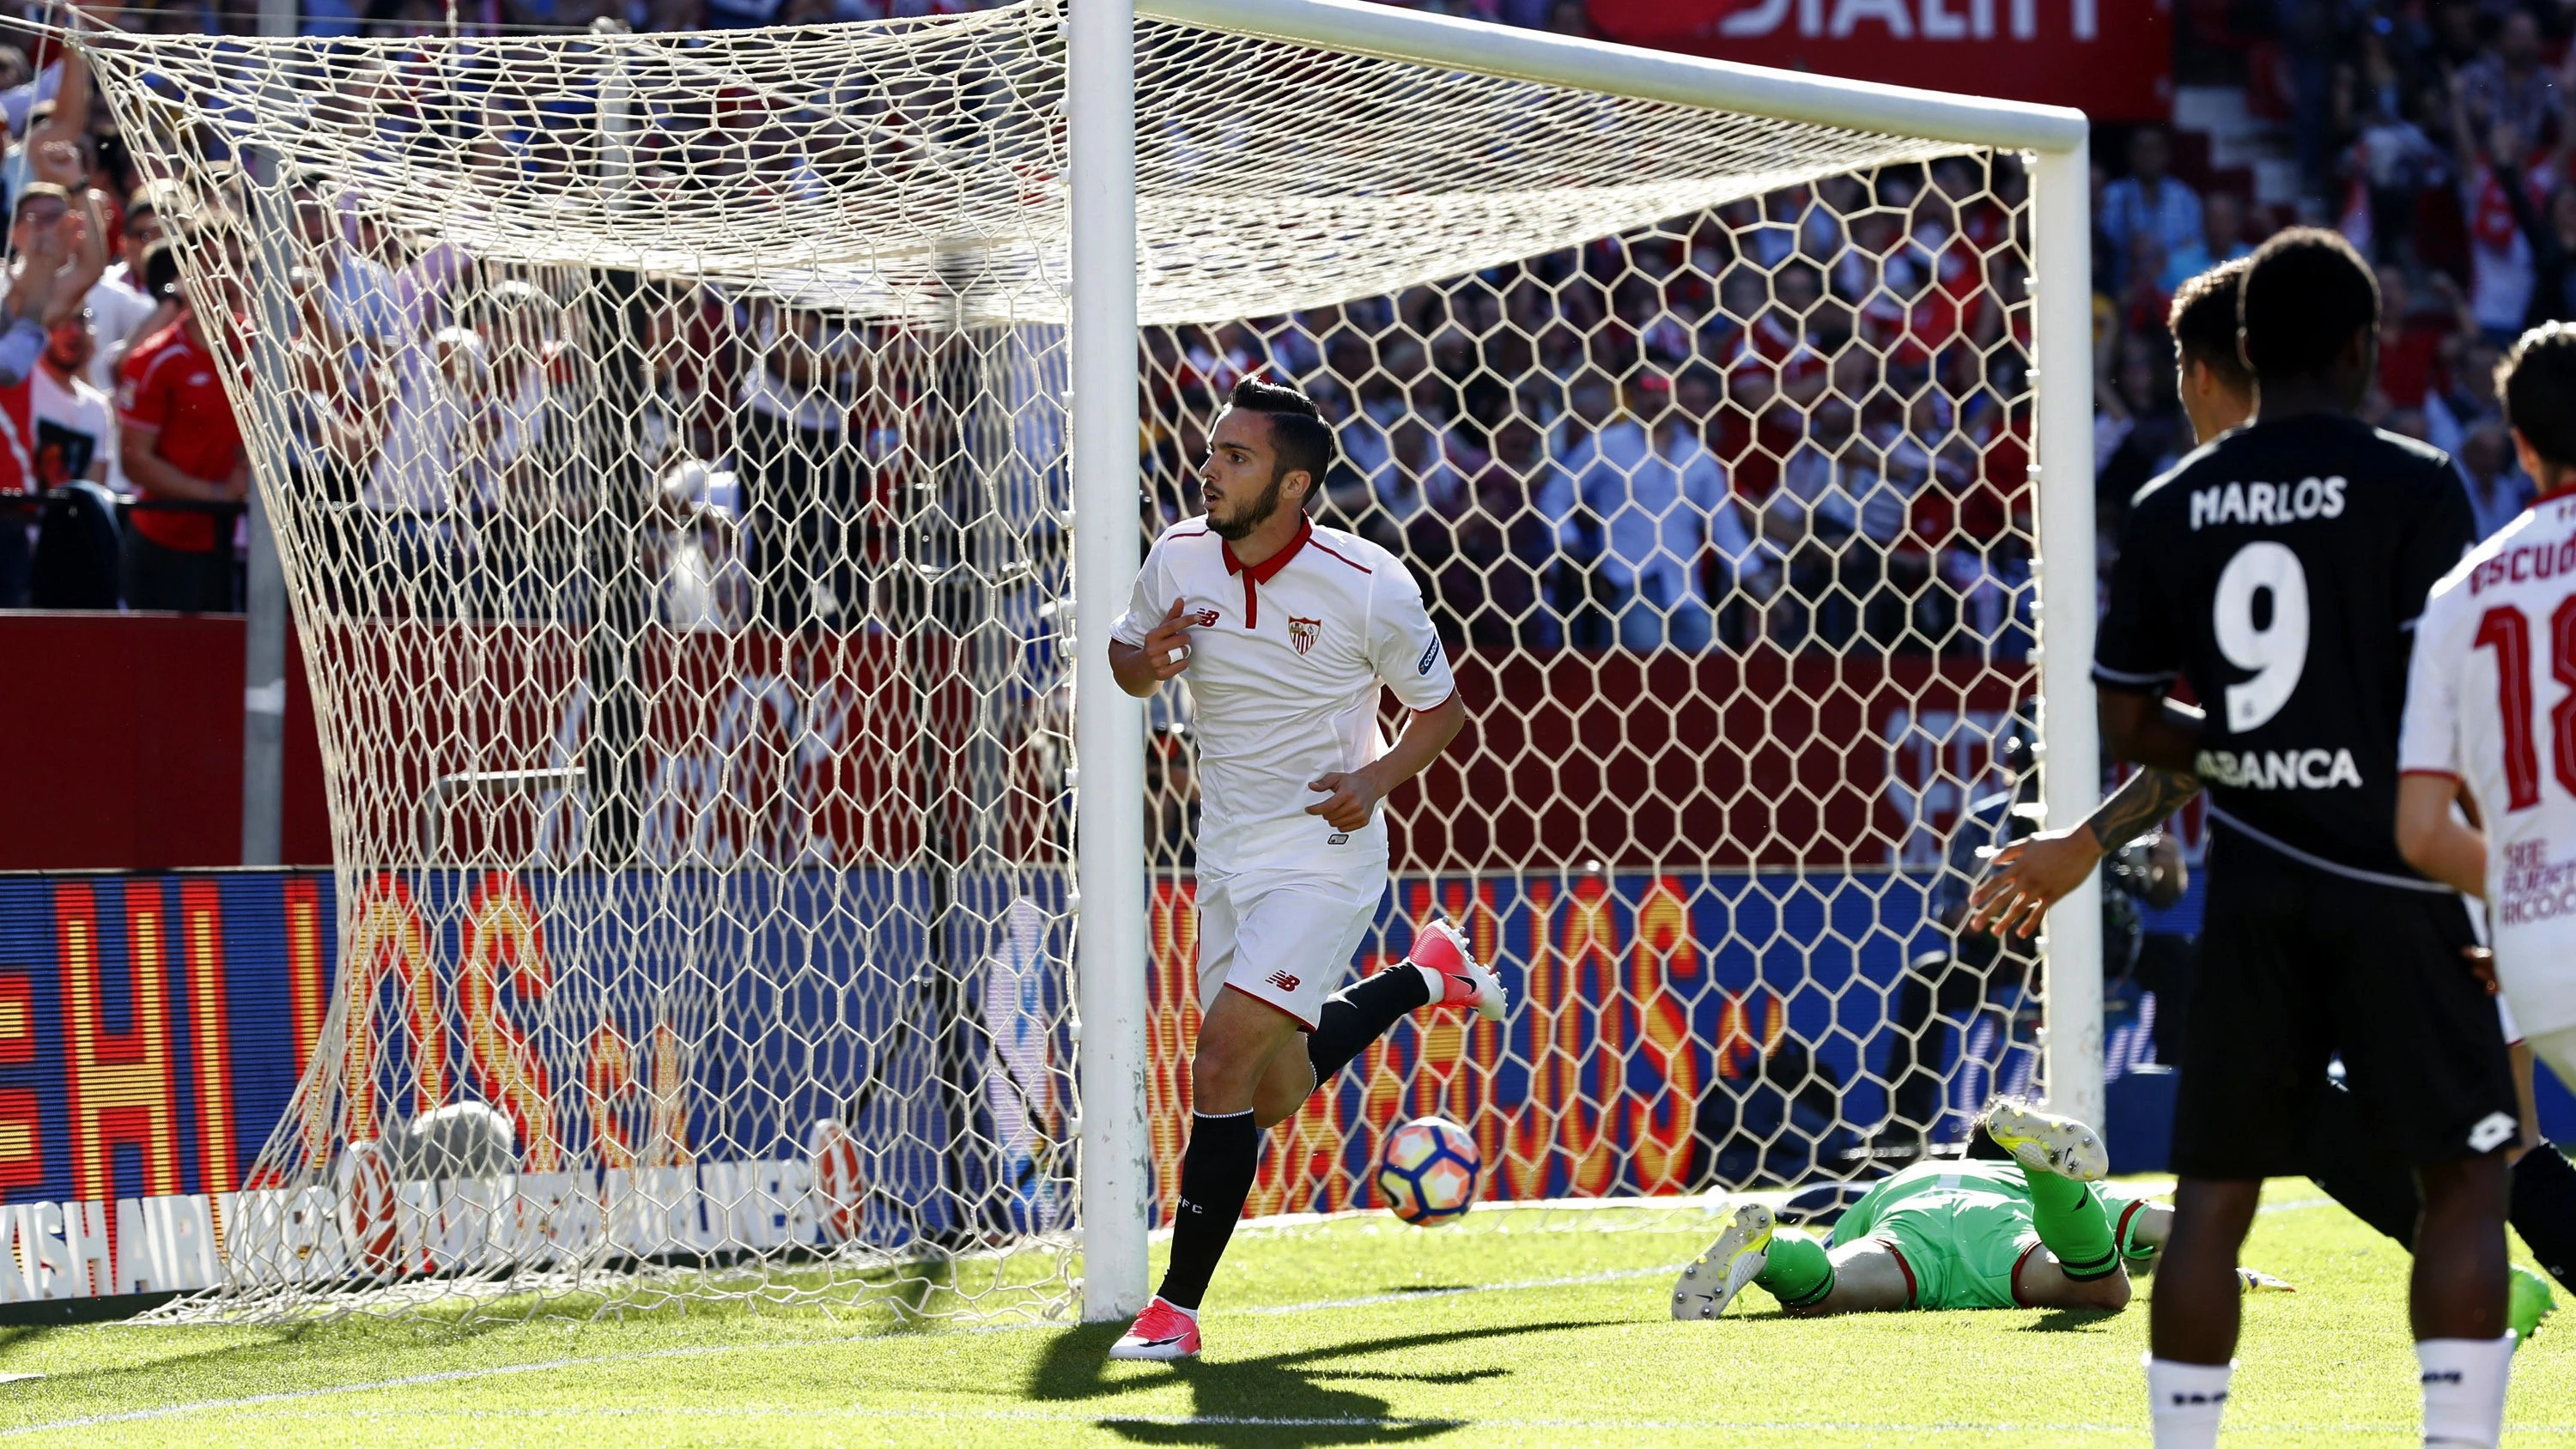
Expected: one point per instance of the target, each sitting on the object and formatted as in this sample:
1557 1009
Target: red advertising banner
2114 60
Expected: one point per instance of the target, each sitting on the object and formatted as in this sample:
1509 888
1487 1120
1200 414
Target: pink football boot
1162 1333
1457 978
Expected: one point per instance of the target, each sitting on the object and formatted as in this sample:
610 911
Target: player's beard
1240 527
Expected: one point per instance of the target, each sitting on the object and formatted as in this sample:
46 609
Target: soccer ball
462 1140
1429 1170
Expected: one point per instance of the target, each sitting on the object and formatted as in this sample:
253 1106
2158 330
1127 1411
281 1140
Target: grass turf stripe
449 1376
1365 1421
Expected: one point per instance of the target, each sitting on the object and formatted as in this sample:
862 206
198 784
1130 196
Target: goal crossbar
1422 38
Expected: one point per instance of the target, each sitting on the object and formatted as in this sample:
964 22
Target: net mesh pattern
1727 526
665 442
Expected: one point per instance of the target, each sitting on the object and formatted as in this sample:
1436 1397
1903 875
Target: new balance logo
2494 1130
1207 618
1283 980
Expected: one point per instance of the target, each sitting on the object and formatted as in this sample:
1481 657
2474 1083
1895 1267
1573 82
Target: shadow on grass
1278 1400
2070 1320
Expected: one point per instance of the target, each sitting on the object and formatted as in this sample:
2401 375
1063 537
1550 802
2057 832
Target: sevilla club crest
1304 632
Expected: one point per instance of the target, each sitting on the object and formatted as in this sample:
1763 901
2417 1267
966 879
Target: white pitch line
1363 1421
1421 1295
170 1411
252 1401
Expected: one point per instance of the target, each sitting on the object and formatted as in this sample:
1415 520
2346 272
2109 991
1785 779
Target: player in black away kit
2277 570
2032 874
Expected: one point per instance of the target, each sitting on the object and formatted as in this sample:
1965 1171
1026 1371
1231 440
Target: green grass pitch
1514 1327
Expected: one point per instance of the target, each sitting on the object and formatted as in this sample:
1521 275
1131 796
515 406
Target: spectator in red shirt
177 439
44 285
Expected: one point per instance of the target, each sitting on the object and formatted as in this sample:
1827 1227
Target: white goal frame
1110 870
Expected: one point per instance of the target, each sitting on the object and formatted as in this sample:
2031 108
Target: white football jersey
1286 659
2491 700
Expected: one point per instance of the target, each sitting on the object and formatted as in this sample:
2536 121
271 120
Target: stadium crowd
1801 417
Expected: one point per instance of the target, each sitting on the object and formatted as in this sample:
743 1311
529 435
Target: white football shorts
1287 942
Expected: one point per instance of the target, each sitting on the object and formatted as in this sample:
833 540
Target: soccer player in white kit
2491 706
1286 633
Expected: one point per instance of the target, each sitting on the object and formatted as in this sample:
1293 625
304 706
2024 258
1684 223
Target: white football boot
1729 1266
2044 1142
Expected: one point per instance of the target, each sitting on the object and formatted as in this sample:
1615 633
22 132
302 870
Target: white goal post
706 469
1100 92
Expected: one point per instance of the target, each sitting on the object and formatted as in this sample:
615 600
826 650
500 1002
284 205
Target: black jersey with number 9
2279 571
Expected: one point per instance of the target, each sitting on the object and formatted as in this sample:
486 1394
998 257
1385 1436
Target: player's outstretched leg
2058 1156
1791 1267
1239 1039
1439 971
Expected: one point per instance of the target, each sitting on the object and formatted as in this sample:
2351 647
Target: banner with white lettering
2114 60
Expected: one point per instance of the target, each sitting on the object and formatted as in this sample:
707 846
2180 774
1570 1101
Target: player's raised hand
2029 876
1167 648
61 163
1349 799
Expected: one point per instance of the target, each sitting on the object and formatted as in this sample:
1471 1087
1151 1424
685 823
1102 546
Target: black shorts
2299 966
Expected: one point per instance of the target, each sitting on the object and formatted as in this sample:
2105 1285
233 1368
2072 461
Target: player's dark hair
1300 439
2306 293
2203 322
2537 382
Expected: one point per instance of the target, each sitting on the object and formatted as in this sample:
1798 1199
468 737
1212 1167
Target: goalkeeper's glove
2258 1281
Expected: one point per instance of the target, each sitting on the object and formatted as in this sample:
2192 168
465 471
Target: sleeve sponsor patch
1430 656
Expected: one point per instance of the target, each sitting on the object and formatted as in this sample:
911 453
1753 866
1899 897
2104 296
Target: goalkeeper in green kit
2036 1230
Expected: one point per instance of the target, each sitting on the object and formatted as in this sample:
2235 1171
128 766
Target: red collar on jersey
1264 571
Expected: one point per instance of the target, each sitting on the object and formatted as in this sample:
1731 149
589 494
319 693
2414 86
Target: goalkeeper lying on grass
2031 1231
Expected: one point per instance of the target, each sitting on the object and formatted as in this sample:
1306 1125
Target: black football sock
1360 1013
2544 1210
1216 1176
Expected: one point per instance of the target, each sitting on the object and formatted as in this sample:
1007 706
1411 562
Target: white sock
2184 1401
1432 978
2464 1381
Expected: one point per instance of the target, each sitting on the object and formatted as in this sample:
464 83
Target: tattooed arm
2029 876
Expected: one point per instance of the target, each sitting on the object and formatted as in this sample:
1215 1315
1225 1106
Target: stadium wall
131 745
138 754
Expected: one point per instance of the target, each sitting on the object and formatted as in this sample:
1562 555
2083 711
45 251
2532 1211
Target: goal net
666 440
